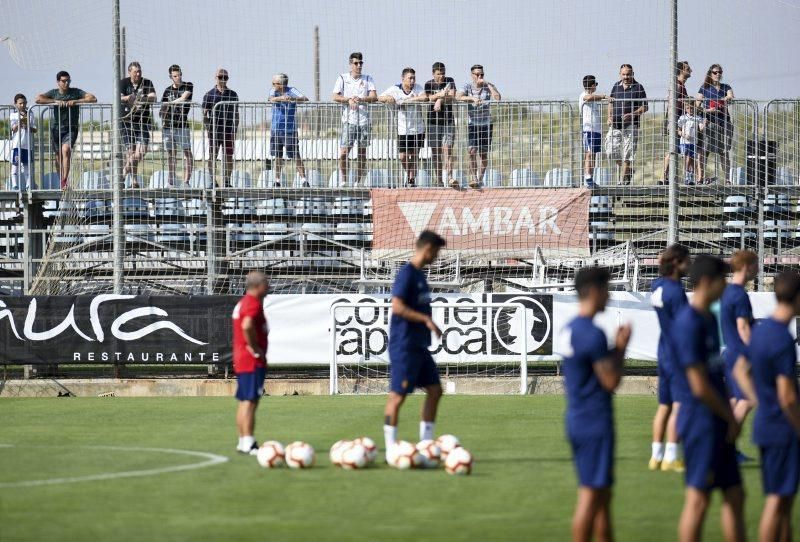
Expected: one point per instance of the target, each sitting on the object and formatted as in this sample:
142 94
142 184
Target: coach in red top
250 332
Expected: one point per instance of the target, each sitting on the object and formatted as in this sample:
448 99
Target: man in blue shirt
411 363
736 319
591 373
776 427
667 299
706 423
283 133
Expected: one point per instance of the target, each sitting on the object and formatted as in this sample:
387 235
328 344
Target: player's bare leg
774 517
189 161
732 514
741 409
694 511
659 430
433 395
602 517
65 162
585 510
391 414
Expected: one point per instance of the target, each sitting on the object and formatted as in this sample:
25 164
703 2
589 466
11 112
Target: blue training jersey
771 354
667 299
734 304
411 286
589 409
697 344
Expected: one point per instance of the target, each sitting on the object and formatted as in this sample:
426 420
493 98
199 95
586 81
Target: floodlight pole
672 231
117 181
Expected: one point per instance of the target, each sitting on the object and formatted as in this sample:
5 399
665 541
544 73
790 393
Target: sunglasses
358 62
67 81
222 77
477 74
715 72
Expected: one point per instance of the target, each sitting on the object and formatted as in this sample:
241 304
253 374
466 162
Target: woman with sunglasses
713 99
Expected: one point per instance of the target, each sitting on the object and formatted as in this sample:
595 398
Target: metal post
316 64
117 181
672 231
761 193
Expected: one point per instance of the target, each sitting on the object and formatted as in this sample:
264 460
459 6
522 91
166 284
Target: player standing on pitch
776 427
706 423
667 299
250 332
592 372
411 364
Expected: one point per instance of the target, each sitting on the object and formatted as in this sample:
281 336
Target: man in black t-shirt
441 90
175 105
137 93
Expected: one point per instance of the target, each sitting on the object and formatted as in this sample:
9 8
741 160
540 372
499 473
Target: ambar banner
120 329
491 221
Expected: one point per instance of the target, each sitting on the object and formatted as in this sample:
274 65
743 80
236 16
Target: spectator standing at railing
23 126
354 90
690 128
629 103
137 93
66 120
407 96
441 90
221 117
478 94
714 96
283 133
176 102
590 103
682 74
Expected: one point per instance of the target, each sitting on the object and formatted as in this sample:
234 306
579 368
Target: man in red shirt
250 332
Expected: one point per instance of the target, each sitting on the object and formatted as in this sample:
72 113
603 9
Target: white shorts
621 144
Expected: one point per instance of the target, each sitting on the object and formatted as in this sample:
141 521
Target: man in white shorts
629 103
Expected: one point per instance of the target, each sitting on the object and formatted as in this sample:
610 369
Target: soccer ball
299 455
430 452
369 445
354 456
336 451
447 443
459 461
271 455
403 455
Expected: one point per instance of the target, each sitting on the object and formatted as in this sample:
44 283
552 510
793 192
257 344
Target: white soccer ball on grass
447 443
430 452
403 455
459 461
354 457
370 446
336 451
271 455
299 455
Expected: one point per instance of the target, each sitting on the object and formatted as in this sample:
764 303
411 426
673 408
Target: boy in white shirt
353 90
23 126
689 127
410 120
590 105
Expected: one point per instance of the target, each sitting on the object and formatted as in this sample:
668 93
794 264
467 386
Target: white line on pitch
210 460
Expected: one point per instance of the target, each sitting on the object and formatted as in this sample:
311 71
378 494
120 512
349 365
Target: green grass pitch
522 486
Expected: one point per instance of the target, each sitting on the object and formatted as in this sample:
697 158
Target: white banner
299 326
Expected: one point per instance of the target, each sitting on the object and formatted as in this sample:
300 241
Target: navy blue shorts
592 142
664 386
278 140
593 457
411 368
780 468
687 149
710 461
250 386
479 137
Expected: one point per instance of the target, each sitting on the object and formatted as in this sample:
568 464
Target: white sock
586 176
239 446
389 435
658 451
247 442
671 454
426 430
444 175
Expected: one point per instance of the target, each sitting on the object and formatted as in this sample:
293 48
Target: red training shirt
243 360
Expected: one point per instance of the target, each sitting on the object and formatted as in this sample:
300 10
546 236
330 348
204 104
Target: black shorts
480 137
410 143
63 135
135 133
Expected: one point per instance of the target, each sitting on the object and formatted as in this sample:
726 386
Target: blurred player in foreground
250 332
776 425
592 372
411 363
706 423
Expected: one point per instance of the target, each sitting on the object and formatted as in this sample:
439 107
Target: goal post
476 373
